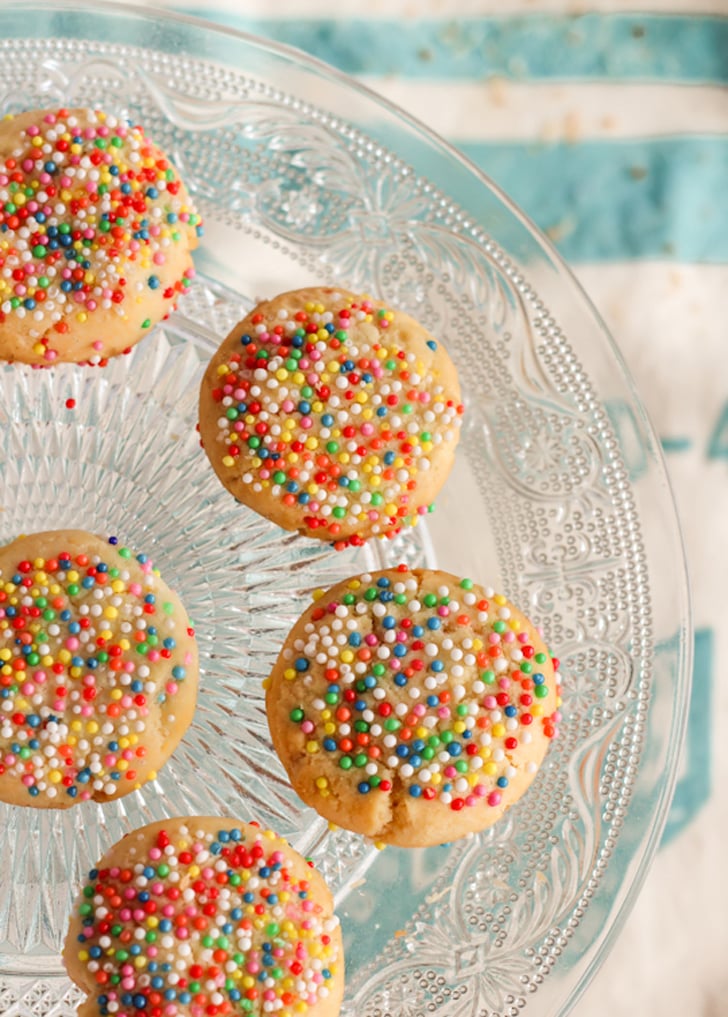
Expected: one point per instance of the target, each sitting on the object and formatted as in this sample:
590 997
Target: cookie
331 414
96 230
412 706
195 916
98 670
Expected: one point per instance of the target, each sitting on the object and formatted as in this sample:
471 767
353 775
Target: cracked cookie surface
412 706
98 669
331 414
202 916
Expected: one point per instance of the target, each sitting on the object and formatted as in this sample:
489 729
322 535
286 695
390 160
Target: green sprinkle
346 762
466 584
541 691
297 715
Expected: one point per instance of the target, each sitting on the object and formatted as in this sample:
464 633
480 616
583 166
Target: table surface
607 122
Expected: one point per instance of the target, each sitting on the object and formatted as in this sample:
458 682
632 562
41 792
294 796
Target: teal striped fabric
620 47
660 197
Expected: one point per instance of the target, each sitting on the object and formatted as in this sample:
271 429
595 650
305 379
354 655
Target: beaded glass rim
569 476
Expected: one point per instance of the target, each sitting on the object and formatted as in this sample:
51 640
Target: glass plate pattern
541 502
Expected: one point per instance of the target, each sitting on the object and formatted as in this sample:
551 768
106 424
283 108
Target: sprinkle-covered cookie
412 706
96 230
98 670
331 414
205 916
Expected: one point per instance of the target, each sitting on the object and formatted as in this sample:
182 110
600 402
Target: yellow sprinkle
116 694
228 461
321 782
55 776
436 778
499 599
318 594
289 673
83 955
362 397
347 656
354 584
5 654
537 710
123 643
498 730
329 728
458 727
110 612
312 747
117 586
317 407
222 369
281 374
311 443
64 656
514 624
326 715
72 576
76 725
122 764
491 769
92 727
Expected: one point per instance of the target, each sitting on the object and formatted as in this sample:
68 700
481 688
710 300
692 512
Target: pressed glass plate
558 496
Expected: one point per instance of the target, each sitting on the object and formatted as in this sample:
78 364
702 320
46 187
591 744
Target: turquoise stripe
619 47
614 200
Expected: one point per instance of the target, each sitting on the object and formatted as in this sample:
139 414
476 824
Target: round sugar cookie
98 670
412 706
331 414
96 230
195 916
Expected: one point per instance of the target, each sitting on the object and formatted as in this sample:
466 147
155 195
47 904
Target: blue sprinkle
363 788
432 344
415 790
301 664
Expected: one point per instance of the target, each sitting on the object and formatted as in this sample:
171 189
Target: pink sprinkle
370 639
155 853
450 771
159 258
306 423
490 702
307 727
494 638
288 406
494 798
171 688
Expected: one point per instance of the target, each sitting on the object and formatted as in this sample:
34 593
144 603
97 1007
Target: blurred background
607 122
